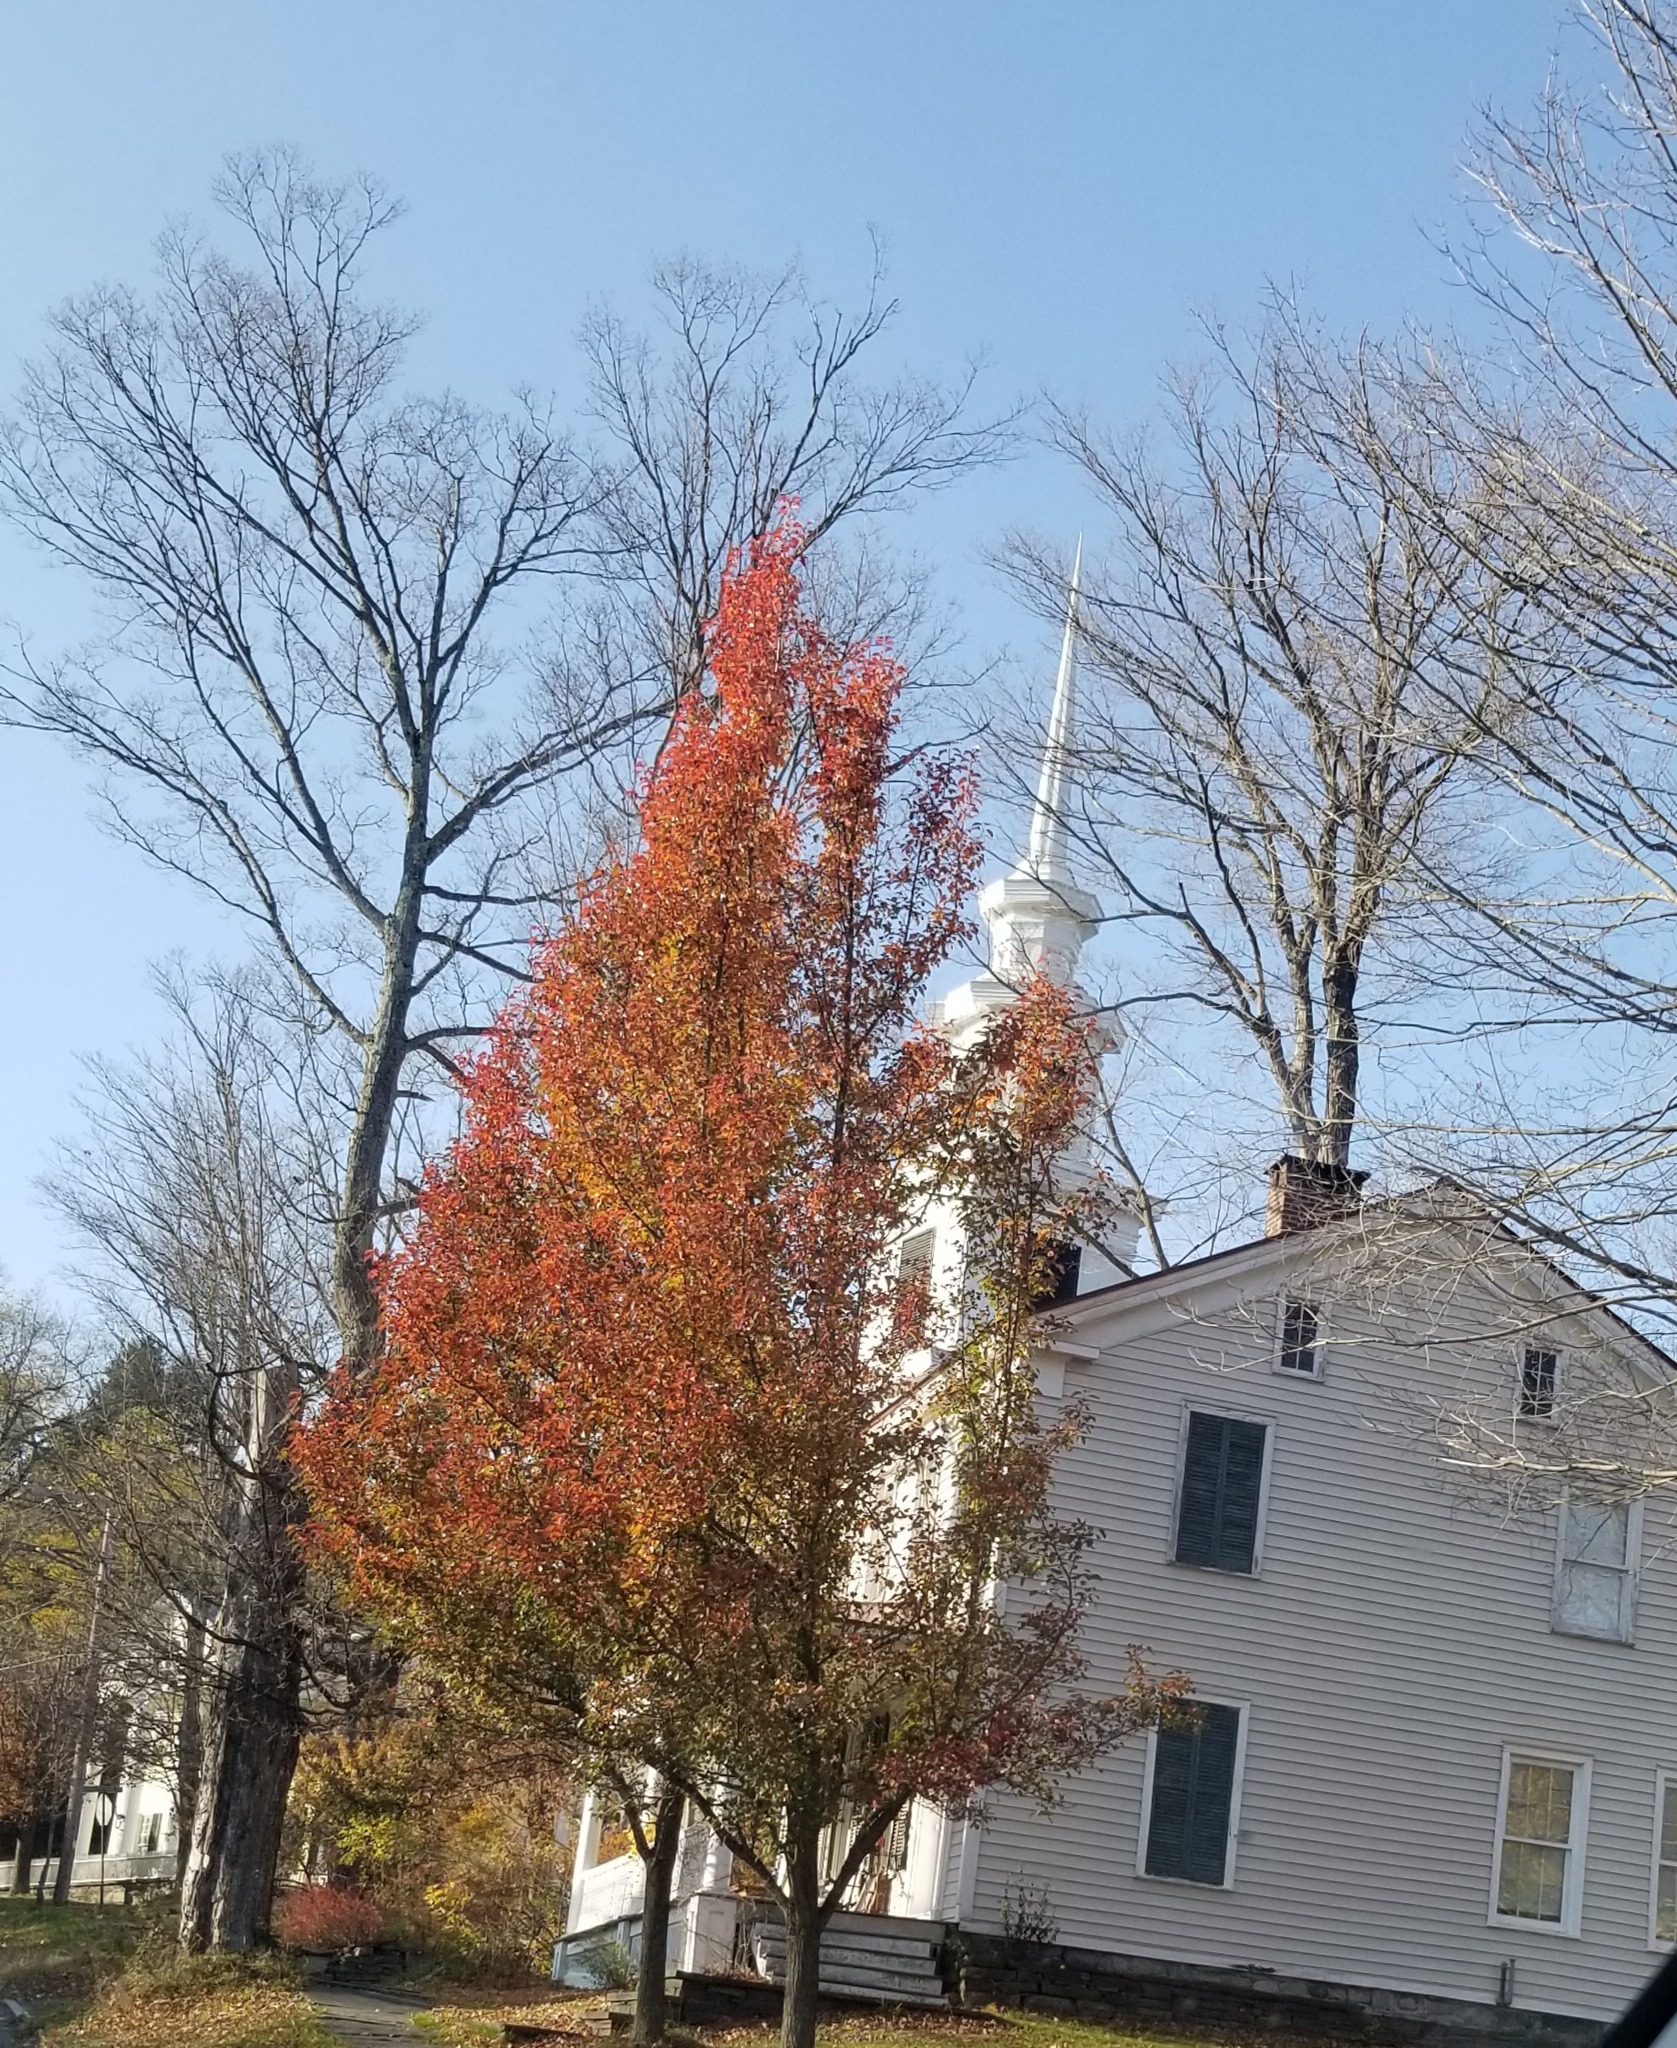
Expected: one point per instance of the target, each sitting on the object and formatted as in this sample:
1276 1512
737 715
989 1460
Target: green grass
53 1956
107 1977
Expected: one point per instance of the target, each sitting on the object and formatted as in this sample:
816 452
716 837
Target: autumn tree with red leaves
661 1443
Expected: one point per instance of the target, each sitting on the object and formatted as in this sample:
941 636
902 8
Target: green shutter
1202 1476
1193 1797
1222 1481
1173 1797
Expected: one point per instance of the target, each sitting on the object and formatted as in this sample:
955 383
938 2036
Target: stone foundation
1089 1984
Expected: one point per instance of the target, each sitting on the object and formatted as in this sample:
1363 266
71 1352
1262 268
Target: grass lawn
104 1977
471 2026
53 1958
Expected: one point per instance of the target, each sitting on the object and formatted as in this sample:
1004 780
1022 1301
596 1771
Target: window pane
1533 1881
1537 1383
1595 1534
1665 1905
1299 1332
1539 1803
1668 1825
1589 1601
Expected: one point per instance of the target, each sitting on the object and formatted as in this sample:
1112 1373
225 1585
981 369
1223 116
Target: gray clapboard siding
1394 1641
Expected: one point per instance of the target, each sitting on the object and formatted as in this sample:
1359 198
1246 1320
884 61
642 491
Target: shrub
325 1916
609 1963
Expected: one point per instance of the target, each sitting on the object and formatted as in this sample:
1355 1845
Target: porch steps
864 1956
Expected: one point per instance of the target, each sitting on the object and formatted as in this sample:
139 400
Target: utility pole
84 1730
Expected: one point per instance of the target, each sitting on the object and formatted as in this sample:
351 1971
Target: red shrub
321 1916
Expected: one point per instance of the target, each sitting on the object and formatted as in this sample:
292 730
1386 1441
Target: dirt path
369 2019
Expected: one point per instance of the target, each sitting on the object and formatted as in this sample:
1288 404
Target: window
1301 1331
1595 1570
1193 1770
1542 1814
1662 1906
151 1832
1537 1383
1064 1263
1222 1492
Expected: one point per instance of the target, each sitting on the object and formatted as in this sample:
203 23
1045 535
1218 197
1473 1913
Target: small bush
1028 1911
609 1963
324 1916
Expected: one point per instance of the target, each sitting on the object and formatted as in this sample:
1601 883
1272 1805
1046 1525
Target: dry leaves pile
255 2014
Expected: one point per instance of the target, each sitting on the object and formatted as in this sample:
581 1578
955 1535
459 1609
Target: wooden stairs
864 1956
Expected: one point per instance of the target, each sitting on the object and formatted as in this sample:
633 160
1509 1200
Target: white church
1432 1785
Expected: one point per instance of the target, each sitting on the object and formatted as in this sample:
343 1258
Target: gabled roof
1258 1251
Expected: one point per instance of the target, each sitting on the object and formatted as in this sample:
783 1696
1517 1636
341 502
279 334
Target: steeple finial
1045 853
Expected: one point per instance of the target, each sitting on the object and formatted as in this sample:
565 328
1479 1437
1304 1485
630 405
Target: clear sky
1062 184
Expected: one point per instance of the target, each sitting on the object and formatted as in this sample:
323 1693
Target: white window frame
1288 1372
1244 1709
1189 1408
1572 1890
1628 1587
1520 1414
1661 1780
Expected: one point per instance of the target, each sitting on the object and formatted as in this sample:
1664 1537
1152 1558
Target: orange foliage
639 1439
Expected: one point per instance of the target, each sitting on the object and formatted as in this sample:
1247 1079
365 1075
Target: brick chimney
1304 1193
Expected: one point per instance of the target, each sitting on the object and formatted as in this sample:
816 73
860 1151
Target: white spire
1045 852
1037 915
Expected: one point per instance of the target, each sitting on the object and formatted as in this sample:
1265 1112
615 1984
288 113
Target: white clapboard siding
1395 1641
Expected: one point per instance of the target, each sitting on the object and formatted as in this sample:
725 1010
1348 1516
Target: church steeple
1039 919
1045 850
1038 916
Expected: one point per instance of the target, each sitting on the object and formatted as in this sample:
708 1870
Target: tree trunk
256 1727
252 1729
355 1299
20 1871
651 1999
803 1940
1341 1064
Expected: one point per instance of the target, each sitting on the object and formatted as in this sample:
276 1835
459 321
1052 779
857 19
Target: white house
126 1835
1434 1763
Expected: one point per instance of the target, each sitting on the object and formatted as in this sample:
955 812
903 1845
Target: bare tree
308 565
1572 436
36 1375
211 1239
748 398
1266 774
325 695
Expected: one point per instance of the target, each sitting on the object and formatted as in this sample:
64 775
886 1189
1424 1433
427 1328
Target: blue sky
1062 186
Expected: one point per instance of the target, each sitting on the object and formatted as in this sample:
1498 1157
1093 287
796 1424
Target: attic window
1537 1383
1301 1335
